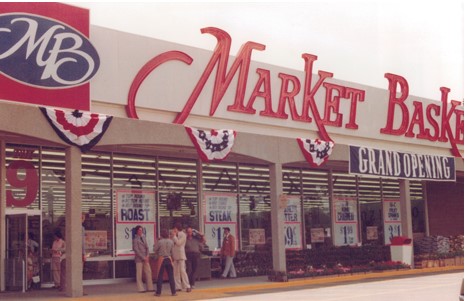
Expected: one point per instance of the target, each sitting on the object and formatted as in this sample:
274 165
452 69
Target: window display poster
317 235
392 220
220 212
125 234
345 210
391 230
345 234
293 224
345 221
391 209
95 240
214 236
257 236
372 233
135 205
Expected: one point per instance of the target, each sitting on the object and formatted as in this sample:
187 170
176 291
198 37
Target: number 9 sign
30 183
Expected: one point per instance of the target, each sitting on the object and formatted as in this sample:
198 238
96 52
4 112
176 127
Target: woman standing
58 250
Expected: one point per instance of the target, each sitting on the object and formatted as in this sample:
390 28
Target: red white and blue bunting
315 151
82 129
213 145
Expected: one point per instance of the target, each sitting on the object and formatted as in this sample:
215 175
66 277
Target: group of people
178 254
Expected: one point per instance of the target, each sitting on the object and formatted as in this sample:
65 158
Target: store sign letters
437 122
385 163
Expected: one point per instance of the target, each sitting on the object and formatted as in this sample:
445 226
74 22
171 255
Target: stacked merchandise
433 244
456 243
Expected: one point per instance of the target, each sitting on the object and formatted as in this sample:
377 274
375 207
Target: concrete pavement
216 288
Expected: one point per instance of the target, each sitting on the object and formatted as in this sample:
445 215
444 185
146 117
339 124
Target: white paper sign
134 207
345 221
125 234
293 224
220 212
392 220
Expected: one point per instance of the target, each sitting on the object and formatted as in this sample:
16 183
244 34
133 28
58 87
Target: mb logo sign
46 57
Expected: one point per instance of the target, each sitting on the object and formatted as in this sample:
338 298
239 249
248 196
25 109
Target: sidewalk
215 288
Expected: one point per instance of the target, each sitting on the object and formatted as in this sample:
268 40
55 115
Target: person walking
228 250
179 256
141 252
58 250
194 246
164 250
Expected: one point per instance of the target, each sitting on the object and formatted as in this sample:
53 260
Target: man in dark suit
141 252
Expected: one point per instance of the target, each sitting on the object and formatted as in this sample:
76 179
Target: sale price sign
220 212
293 224
345 221
392 220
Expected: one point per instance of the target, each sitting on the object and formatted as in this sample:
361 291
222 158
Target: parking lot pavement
216 288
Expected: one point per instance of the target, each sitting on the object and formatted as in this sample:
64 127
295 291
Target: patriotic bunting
82 129
315 151
213 145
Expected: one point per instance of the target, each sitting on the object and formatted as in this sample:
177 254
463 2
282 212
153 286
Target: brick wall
445 207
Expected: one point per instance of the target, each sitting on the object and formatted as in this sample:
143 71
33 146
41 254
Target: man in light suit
179 258
141 252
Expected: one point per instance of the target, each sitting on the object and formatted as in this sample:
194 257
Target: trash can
402 249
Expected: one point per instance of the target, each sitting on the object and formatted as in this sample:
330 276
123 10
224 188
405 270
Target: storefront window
219 177
254 207
178 193
317 214
418 207
53 196
371 220
96 204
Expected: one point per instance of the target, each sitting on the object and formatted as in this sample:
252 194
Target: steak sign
43 59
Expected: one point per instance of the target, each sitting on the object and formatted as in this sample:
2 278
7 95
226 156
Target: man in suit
179 258
141 252
228 250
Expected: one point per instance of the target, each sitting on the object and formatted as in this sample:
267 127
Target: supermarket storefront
385 169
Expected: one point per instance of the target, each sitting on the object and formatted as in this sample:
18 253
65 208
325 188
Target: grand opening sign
387 163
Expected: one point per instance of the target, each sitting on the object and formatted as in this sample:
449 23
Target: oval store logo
44 52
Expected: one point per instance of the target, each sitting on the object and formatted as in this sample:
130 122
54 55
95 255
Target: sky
358 41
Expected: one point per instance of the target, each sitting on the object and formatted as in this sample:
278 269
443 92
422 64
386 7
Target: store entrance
22 264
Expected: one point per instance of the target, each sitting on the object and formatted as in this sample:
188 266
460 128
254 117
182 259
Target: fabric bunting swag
315 151
213 145
82 129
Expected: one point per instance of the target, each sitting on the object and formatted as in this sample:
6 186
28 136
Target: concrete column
406 208
277 218
73 236
2 215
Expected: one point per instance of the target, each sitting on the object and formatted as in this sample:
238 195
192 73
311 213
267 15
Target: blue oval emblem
44 52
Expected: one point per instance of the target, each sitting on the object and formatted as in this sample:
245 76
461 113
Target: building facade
393 167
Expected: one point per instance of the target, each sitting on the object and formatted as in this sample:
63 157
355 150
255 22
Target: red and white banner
213 145
82 129
315 151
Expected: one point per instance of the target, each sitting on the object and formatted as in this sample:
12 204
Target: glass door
16 252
